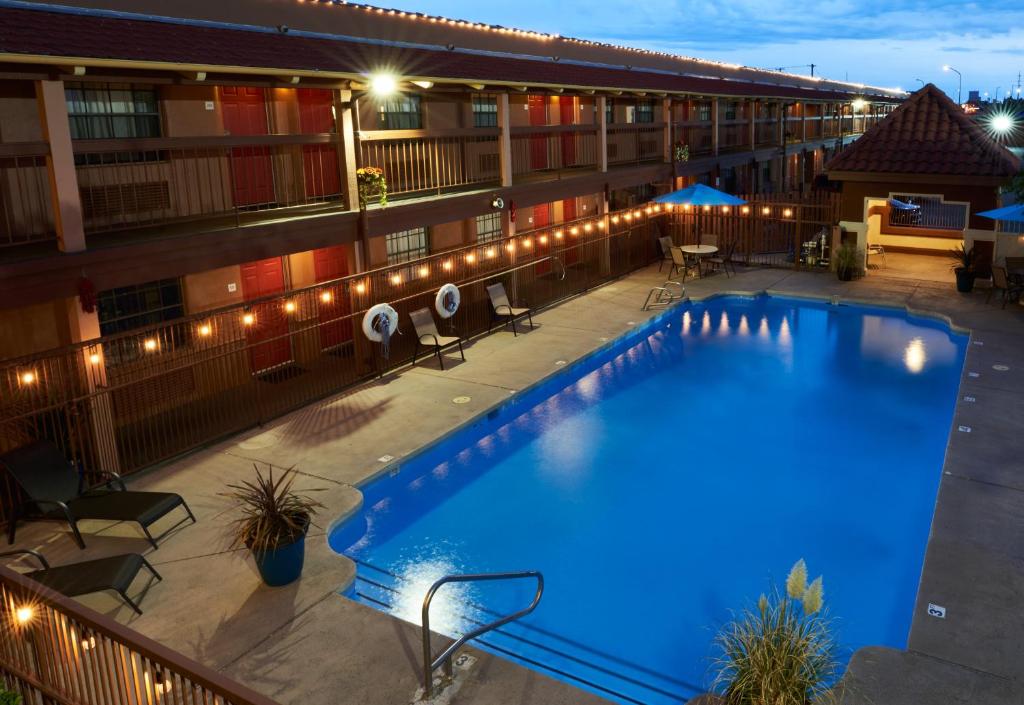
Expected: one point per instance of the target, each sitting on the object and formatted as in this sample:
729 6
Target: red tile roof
46 31
928 134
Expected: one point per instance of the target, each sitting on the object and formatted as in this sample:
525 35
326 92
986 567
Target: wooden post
714 127
602 133
798 213
504 140
752 123
666 114
60 164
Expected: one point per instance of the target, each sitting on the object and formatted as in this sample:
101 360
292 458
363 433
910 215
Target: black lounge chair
722 262
502 308
52 490
423 322
86 577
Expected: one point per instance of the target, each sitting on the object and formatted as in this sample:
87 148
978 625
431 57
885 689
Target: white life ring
447 300
370 318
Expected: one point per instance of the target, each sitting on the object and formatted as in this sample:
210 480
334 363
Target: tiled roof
44 31
927 134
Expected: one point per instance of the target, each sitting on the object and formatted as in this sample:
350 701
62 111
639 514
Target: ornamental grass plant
781 651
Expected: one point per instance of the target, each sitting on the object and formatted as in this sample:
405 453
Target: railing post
60 163
666 116
714 127
752 124
803 121
602 133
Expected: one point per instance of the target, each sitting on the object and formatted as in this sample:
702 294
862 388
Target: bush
782 651
9 697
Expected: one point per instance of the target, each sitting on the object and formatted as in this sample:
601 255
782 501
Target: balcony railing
553 148
698 136
422 162
26 209
155 181
766 133
636 143
54 650
734 137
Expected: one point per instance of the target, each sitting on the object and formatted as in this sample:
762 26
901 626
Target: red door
538 143
259 279
245 113
319 161
571 255
567 110
331 263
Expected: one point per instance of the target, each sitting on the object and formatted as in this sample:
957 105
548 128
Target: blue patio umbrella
1009 214
699 195
1006 214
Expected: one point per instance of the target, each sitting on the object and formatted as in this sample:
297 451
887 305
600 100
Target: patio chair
87 577
680 263
52 490
502 308
723 260
877 250
423 322
1010 290
709 239
666 251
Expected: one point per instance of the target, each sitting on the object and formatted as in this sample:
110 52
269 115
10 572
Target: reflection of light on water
915 355
762 331
744 330
785 338
441 471
589 387
705 327
447 609
686 323
723 324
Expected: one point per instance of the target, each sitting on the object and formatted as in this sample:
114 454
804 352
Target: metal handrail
445 657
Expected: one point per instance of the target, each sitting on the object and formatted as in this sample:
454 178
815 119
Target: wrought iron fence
58 652
130 400
927 212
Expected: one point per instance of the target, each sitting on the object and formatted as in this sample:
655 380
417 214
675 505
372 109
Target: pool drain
1000 368
462 400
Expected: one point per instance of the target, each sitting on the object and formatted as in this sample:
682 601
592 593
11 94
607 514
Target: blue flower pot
281 565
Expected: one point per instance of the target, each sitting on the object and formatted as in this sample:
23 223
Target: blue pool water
668 479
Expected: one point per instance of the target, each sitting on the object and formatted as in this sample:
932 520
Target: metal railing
636 142
420 162
154 181
431 664
26 206
699 137
553 148
126 401
929 213
54 650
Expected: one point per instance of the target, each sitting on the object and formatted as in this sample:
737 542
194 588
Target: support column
666 113
752 123
602 132
60 163
504 140
83 327
803 122
714 126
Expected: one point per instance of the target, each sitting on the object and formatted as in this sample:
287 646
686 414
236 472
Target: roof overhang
892 177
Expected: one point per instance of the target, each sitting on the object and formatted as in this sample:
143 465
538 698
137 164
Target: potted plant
370 181
780 651
846 262
963 268
273 524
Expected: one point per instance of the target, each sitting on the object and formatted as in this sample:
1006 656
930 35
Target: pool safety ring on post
447 300
378 325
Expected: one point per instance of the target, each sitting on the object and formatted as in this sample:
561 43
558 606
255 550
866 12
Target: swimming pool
666 479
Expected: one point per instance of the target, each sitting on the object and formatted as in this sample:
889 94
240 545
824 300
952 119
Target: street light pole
959 81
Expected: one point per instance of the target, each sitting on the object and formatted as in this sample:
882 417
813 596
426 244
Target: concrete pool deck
305 644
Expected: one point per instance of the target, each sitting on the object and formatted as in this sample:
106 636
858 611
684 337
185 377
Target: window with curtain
406 245
488 227
111 111
485 110
401 112
704 110
644 111
609 110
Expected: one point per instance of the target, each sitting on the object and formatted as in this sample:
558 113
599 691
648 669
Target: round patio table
699 251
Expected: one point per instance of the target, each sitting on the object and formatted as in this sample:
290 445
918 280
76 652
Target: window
704 111
731 110
488 227
130 307
406 245
609 111
401 113
644 111
111 111
485 110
